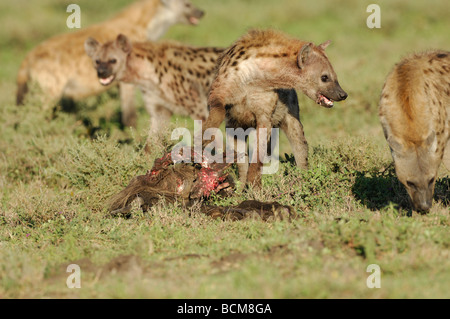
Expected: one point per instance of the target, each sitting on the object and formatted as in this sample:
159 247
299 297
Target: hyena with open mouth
255 87
174 78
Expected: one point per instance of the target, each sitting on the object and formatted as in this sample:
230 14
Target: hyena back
255 87
174 78
415 115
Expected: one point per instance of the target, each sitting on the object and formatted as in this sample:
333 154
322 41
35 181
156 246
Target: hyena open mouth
324 101
194 20
106 81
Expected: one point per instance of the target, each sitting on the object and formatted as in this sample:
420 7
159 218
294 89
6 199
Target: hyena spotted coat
255 87
415 115
61 68
174 78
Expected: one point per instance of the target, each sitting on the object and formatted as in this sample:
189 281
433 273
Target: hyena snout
198 13
421 197
421 202
194 16
337 93
105 73
342 95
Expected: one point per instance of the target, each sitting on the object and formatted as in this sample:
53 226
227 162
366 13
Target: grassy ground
58 171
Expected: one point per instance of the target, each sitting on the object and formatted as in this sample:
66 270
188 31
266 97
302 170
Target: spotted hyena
61 68
415 115
174 78
255 87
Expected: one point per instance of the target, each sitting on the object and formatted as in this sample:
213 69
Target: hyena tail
22 83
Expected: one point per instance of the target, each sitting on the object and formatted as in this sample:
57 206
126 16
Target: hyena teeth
194 20
322 99
174 78
76 80
255 87
107 80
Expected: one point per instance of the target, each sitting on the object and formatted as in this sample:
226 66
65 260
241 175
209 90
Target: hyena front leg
127 99
263 130
293 129
159 120
215 118
159 114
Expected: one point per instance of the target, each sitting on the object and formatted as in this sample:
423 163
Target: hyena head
319 81
416 167
183 11
110 58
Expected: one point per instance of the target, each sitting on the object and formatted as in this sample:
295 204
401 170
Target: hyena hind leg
240 148
263 129
294 132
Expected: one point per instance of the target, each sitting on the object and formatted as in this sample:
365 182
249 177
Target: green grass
58 170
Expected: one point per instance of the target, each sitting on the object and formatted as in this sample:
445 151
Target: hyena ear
90 46
123 43
304 54
431 142
324 45
395 145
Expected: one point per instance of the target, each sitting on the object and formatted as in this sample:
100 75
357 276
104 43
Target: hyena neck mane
413 105
268 59
414 125
263 61
274 54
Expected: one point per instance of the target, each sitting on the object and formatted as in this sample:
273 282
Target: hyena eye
112 61
324 78
97 62
410 184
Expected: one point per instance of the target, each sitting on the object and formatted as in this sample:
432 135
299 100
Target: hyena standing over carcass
255 87
174 78
61 68
415 115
